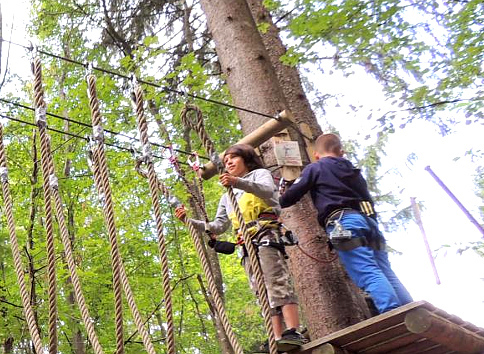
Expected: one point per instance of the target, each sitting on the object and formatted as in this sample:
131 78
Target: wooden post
256 138
424 323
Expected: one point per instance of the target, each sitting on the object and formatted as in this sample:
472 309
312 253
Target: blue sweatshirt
333 182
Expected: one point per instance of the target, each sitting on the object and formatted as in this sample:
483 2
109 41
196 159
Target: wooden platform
418 327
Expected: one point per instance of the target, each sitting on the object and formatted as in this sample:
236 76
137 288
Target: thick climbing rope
207 143
24 294
104 189
40 107
153 184
50 177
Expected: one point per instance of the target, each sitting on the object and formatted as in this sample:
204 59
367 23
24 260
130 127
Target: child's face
235 165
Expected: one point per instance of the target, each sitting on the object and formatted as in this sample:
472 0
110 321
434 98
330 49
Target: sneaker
291 339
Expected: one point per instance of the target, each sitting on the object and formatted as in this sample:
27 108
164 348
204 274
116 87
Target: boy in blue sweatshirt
345 211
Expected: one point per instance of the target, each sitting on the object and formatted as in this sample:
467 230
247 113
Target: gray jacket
258 182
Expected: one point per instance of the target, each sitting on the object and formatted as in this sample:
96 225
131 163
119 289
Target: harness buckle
264 243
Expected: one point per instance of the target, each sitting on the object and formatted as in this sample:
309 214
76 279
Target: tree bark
327 298
288 76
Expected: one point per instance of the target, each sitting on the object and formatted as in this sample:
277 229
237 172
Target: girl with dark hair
257 197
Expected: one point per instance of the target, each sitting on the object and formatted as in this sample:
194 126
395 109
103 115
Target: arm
301 186
263 185
221 222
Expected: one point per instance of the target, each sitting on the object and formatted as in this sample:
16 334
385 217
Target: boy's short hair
248 154
328 143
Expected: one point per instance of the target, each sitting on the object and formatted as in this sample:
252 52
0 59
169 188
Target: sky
461 291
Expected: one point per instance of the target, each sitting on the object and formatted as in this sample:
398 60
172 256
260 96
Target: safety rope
209 146
40 108
153 184
49 175
104 190
198 198
7 198
334 256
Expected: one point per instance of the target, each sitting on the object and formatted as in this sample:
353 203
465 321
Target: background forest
416 68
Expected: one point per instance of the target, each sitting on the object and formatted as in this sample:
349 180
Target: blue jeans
370 269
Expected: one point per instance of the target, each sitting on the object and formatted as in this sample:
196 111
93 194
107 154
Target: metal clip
147 156
195 165
53 182
4 174
98 133
174 202
41 116
339 232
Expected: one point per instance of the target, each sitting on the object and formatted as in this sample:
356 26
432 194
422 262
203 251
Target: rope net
54 209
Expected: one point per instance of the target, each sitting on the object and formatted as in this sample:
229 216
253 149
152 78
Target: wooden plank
441 330
439 350
364 328
418 346
384 335
289 173
387 346
390 333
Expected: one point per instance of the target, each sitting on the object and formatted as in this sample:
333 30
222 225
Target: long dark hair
248 154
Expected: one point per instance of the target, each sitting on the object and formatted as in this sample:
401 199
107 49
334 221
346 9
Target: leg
291 315
277 325
403 295
363 269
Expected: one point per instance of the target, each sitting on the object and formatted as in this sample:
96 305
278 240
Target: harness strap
375 240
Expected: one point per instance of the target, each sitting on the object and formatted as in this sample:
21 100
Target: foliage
166 45
427 56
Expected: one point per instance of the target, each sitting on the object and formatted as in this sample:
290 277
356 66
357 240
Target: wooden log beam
256 138
329 349
442 331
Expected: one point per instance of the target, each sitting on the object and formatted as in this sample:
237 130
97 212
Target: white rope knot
102 198
98 133
4 174
53 182
147 156
41 116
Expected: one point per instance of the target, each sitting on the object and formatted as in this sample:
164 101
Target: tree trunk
326 295
288 76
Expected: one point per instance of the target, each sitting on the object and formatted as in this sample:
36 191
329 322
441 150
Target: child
345 210
257 197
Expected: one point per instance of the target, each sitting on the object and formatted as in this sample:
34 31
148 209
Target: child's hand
284 185
181 213
228 180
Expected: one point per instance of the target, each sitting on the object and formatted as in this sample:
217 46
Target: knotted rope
153 184
27 307
209 146
40 109
104 190
53 186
